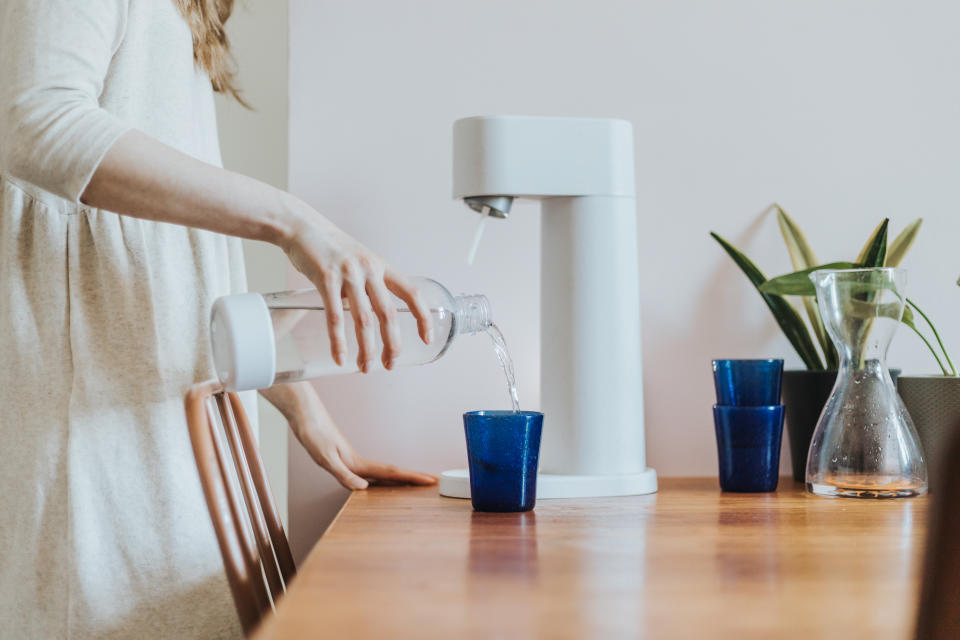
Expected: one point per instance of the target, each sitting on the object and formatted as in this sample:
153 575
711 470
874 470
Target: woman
106 106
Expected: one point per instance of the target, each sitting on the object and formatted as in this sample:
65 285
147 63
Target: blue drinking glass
747 383
503 448
748 447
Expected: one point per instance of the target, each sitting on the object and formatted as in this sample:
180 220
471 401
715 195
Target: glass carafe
865 444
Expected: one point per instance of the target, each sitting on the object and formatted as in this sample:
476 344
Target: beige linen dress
103 528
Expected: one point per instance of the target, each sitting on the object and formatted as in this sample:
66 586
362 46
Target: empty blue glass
503 448
748 447
747 383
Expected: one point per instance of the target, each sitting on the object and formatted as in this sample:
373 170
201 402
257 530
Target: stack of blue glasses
748 418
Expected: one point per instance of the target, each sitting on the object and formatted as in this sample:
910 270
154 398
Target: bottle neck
473 314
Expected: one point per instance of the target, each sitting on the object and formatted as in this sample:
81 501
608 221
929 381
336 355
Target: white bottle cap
241 335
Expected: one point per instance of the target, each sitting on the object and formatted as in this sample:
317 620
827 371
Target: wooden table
688 562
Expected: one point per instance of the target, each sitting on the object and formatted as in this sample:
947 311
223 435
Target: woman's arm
144 178
316 431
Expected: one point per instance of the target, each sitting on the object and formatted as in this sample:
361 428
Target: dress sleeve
54 56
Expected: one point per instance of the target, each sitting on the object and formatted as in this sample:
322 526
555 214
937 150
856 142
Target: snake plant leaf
910 320
799 283
902 243
912 306
802 257
830 356
874 252
873 255
783 312
856 309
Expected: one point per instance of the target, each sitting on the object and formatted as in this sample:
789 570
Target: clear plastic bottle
259 340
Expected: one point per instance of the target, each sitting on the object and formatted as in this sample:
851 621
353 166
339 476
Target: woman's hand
340 267
316 431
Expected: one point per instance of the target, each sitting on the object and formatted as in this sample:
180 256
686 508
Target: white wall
844 112
255 143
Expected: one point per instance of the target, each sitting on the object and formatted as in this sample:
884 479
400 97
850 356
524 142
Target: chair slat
254 546
251 502
281 546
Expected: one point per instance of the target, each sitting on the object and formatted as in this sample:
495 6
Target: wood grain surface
687 562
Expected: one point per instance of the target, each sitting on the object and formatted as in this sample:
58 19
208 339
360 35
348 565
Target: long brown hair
211 48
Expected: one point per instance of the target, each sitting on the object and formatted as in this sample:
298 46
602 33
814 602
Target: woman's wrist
292 220
293 400
284 220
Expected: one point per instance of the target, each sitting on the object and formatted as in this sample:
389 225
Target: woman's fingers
363 321
384 473
404 289
330 286
324 452
344 475
384 307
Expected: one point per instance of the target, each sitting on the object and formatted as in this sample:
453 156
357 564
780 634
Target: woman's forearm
144 178
292 399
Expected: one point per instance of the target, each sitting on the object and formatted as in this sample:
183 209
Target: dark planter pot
934 404
804 394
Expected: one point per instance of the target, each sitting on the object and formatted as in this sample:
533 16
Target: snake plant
875 253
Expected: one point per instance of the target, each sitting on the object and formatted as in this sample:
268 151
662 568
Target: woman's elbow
53 139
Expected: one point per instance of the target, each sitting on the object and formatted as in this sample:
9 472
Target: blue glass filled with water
503 449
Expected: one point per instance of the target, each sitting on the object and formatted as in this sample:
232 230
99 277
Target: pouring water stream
496 336
500 347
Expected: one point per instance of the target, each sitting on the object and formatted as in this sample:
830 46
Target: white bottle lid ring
242 339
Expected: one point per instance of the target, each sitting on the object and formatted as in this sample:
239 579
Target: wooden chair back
939 614
256 554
